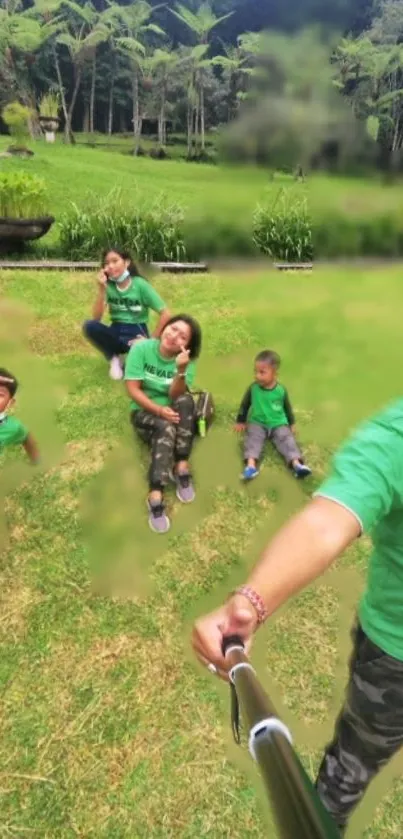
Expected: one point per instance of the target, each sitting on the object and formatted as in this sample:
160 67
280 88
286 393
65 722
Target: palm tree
136 25
77 28
82 33
99 35
162 64
48 12
370 76
189 60
20 39
232 63
201 24
111 20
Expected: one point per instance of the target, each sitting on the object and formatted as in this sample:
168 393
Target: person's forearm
162 321
178 387
31 449
302 551
142 400
99 306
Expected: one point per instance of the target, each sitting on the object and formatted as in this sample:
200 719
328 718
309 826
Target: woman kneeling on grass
129 298
158 374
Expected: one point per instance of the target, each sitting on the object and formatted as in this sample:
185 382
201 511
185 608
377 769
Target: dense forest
294 81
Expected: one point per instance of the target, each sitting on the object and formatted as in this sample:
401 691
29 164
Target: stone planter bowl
49 123
24 230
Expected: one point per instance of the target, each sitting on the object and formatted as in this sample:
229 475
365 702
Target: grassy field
108 727
218 201
206 191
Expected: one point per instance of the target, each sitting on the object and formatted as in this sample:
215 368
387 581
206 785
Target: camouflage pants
169 443
369 730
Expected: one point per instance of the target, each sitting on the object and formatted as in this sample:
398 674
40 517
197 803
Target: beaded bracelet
256 600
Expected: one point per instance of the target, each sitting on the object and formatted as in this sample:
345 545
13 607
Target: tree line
302 69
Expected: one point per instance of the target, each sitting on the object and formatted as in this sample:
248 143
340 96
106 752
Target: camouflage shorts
169 443
368 732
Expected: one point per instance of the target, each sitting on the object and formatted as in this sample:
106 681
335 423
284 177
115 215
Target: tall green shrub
49 105
282 227
337 235
16 117
22 195
152 233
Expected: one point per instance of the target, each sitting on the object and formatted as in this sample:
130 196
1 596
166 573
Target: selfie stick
297 809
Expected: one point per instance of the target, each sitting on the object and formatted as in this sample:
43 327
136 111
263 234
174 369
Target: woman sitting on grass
158 374
129 298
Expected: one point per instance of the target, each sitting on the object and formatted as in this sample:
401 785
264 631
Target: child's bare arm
31 449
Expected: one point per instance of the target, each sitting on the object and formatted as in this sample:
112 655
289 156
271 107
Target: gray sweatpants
282 438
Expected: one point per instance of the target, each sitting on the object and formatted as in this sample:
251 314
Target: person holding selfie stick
363 494
129 298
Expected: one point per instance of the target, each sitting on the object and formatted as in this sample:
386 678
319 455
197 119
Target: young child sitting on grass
12 431
266 414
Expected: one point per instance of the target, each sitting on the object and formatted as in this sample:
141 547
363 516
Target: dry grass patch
301 653
56 336
83 458
16 599
214 541
88 399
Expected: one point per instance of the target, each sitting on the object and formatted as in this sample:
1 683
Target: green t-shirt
266 406
12 432
133 304
145 364
367 479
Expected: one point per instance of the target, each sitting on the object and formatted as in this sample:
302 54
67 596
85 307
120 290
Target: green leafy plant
22 195
283 229
16 117
380 235
49 105
153 233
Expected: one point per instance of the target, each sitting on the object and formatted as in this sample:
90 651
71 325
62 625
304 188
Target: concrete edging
65 265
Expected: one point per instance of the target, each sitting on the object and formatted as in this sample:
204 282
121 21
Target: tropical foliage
200 64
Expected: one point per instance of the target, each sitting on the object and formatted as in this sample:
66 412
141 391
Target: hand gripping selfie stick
297 809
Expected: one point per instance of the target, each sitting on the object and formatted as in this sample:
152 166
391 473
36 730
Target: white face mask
122 277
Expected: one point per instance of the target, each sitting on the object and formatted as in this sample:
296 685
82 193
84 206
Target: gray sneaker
157 518
184 488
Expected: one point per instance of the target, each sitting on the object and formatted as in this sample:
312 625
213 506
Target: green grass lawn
108 727
205 191
218 201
